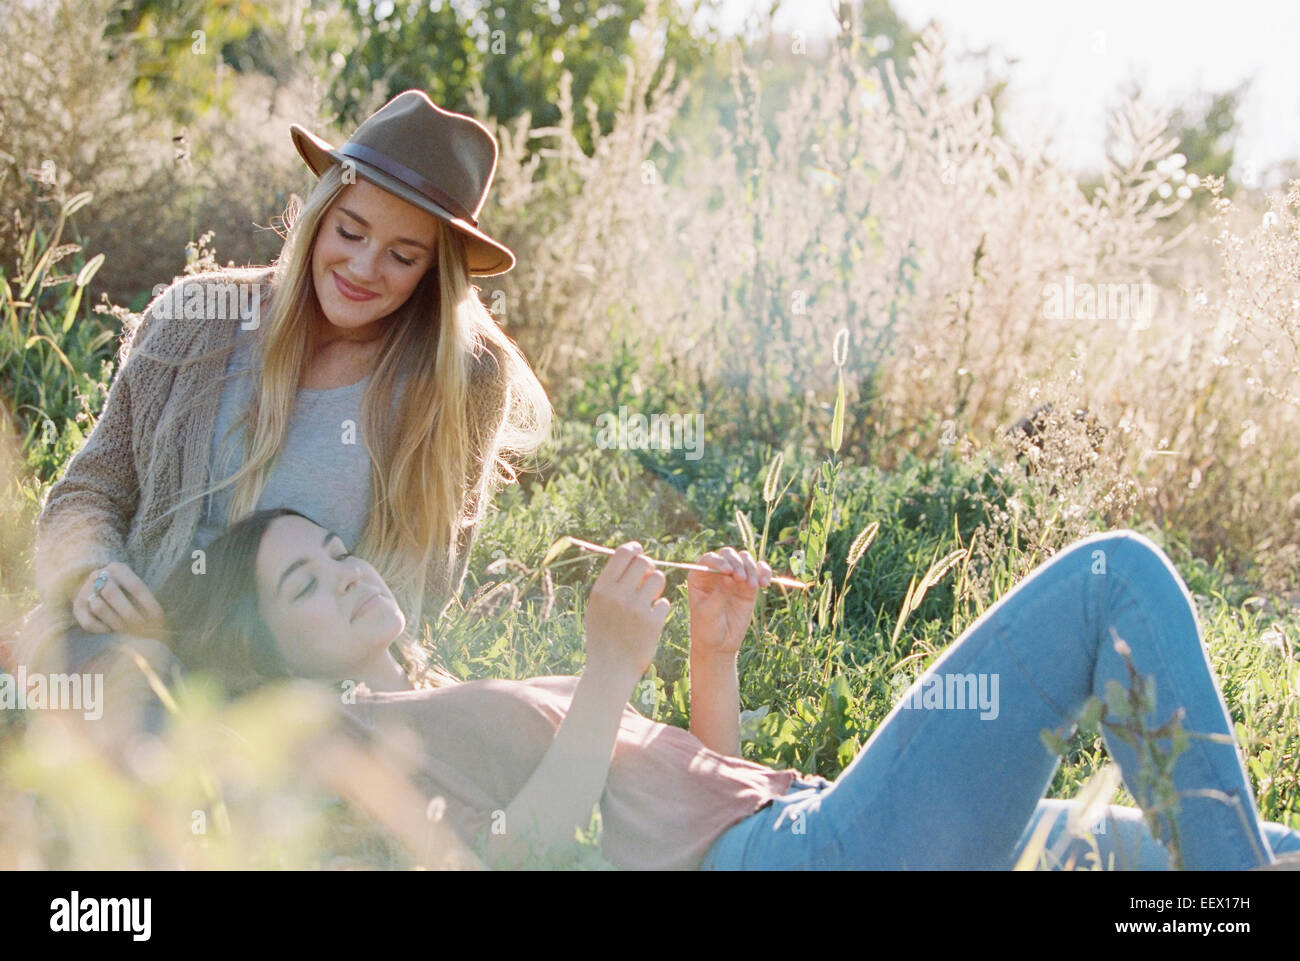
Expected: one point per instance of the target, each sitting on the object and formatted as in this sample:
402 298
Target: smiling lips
360 608
352 291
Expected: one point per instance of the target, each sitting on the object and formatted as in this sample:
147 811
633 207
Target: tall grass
850 291
891 208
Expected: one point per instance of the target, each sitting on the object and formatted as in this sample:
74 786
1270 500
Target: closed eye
311 581
396 256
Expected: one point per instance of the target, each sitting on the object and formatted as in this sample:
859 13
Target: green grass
820 670
827 684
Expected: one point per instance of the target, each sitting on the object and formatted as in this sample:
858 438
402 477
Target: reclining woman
360 379
932 788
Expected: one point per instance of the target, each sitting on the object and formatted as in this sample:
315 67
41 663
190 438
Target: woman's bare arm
722 606
570 780
715 701
624 618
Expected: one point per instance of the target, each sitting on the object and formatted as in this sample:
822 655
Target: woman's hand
722 603
122 605
624 618
625 615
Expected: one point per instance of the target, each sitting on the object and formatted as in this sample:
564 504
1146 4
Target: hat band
407 176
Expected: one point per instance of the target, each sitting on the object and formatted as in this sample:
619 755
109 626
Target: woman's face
331 614
371 251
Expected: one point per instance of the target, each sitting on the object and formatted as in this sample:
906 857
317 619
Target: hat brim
486 257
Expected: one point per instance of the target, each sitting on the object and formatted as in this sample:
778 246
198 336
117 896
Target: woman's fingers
625 614
122 603
653 584
631 567
144 603
119 604
630 575
88 621
81 610
742 564
719 561
641 570
620 562
639 576
105 613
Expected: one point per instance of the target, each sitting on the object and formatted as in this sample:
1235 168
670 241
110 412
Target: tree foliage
515 52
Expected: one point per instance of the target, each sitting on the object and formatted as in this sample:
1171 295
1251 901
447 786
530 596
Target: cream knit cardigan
144 455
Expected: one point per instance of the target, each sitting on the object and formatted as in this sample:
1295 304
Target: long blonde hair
424 462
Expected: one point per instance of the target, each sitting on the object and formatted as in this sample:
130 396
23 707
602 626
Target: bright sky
1074 58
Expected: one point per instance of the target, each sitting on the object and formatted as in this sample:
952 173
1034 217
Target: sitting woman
360 377
522 762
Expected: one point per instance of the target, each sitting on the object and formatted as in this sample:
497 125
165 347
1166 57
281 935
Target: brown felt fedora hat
441 161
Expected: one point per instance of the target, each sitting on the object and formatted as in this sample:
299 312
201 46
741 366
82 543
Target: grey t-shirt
323 469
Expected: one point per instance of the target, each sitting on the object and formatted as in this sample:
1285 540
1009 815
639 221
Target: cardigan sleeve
87 514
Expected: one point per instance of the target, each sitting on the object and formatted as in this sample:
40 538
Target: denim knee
1140 557
1141 563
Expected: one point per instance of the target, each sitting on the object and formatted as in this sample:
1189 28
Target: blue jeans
955 774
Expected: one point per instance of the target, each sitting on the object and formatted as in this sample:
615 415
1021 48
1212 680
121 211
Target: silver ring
100 581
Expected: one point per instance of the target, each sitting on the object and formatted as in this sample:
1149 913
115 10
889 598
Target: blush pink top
667 797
